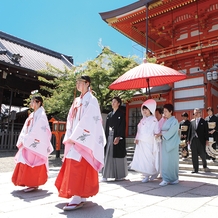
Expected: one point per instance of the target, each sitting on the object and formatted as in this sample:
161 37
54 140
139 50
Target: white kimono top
35 139
84 135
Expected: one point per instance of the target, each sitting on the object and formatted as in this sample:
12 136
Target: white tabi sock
76 200
83 199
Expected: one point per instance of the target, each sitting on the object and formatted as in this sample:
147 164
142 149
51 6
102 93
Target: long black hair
37 99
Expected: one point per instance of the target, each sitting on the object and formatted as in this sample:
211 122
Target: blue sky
70 27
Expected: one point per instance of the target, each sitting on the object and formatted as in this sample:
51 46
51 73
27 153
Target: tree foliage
104 70
60 91
58 102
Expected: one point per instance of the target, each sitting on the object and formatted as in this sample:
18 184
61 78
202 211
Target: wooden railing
185 48
8 141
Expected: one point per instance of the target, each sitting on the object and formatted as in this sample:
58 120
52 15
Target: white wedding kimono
146 155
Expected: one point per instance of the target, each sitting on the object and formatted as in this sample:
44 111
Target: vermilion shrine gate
182 34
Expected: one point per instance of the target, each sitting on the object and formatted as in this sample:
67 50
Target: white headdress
151 105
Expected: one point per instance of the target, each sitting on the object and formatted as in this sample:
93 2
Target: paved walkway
192 197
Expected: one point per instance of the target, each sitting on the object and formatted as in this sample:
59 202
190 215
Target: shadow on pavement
90 210
31 196
185 188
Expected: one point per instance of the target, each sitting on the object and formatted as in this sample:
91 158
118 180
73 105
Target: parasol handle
149 93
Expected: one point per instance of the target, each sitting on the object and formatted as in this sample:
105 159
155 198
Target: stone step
200 174
181 161
189 161
190 152
188 164
130 153
185 166
132 150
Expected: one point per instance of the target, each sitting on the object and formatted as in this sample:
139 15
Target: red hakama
77 178
24 175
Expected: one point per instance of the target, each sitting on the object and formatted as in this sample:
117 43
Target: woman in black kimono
212 121
184 127
115 150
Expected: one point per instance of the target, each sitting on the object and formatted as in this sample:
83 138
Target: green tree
104 70
60 91
58 102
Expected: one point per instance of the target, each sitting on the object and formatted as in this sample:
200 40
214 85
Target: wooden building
20 64
182 34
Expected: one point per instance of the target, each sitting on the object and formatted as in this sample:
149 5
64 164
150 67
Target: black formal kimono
115 155
210 119
184 135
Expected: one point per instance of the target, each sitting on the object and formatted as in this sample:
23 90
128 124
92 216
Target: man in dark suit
198 139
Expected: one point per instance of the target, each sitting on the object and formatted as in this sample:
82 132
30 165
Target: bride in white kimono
146 155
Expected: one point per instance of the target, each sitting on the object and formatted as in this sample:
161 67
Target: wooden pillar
1 96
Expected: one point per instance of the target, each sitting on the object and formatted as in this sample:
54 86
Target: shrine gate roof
164 18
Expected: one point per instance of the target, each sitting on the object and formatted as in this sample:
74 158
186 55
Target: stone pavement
192 197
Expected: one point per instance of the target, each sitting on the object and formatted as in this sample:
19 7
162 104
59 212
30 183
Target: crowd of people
200 136
91 148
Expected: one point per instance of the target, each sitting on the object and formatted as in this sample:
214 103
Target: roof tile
34 57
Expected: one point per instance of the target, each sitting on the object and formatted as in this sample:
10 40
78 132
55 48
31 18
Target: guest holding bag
212 121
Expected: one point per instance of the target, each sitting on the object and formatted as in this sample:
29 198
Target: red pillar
127 118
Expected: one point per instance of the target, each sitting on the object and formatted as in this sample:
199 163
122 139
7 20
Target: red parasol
146 75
